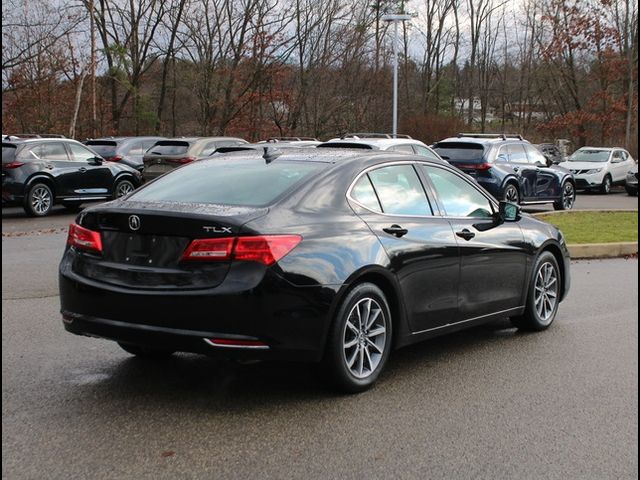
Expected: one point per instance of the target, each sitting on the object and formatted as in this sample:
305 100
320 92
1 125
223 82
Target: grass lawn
595 227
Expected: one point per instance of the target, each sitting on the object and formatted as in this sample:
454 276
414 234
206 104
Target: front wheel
543 296
568 197
606 185
360 339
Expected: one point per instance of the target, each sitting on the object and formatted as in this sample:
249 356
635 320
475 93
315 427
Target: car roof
330 155
26 141
603 149
376 143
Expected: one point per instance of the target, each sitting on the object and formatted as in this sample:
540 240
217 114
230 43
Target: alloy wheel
41 200
546 292
511 194
568 196
364 337
124 188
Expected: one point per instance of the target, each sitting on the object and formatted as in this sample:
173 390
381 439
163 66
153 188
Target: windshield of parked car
228 181
589 155
460 151
104 148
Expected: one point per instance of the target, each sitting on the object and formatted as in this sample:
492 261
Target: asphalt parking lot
484 403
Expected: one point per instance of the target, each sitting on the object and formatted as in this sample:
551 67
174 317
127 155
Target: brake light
12 165
265 249
84 239
209 249
473 166
181 160
115 158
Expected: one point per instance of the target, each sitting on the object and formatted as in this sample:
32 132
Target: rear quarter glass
8 153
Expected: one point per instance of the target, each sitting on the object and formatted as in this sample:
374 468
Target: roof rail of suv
374 135
36 135
289 139
503 136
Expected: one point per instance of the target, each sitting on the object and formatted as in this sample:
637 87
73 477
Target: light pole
395 19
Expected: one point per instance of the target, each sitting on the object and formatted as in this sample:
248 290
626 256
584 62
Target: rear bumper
292 321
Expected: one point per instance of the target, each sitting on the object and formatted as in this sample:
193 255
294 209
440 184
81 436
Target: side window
80 153
534 155
517 153
503 154
54 151
363 193
458 197
400 190
30 153
425 152
401 148
617 155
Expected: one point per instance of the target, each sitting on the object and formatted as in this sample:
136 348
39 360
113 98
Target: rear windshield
169 148
587 155
8 153
228 181
105 148
460 151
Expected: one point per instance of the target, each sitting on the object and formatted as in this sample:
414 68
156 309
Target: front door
527 172
493 257
421 246
95 179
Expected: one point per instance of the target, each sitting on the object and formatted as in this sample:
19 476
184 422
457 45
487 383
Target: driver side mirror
508 212
95 161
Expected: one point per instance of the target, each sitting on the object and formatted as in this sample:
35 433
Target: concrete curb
599 250
602 250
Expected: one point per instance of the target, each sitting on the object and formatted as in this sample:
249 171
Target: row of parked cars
39 171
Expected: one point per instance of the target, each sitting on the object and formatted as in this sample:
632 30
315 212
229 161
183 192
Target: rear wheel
360 339
145 352
122 188
568 197
511 194
606 185
543 297
39 200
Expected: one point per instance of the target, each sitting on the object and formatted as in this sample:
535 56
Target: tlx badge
217 229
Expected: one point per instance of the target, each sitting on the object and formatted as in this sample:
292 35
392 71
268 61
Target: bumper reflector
234 343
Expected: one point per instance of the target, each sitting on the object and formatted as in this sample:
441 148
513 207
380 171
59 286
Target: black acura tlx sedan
333 256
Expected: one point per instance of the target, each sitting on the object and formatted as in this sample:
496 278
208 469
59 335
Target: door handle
82 169
466 234
396 230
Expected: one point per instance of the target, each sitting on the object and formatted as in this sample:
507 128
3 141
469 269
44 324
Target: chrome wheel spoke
373 345
351 343
364 338
372 318
352 360
352 327
376 332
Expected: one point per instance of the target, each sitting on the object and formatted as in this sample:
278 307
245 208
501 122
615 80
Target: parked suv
510 168
39 172
168 154
127 150
381 141
599 168
631 184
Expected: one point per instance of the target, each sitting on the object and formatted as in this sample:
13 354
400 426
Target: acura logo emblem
134 222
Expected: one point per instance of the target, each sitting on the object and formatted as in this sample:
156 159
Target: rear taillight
12 165
115 158
209 249
265 249
473 166
182 160
84 239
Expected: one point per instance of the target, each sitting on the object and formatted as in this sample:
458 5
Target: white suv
381 141
599 168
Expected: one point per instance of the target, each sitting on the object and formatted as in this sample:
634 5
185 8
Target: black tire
605 188
123 187
336 363
38 201
568 197
632 192
533 319
511 193
72 206
145 352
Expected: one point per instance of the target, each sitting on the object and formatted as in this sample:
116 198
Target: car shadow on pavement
198 381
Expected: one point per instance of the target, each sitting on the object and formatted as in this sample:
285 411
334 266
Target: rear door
419 243
66 172
526 171
493 258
